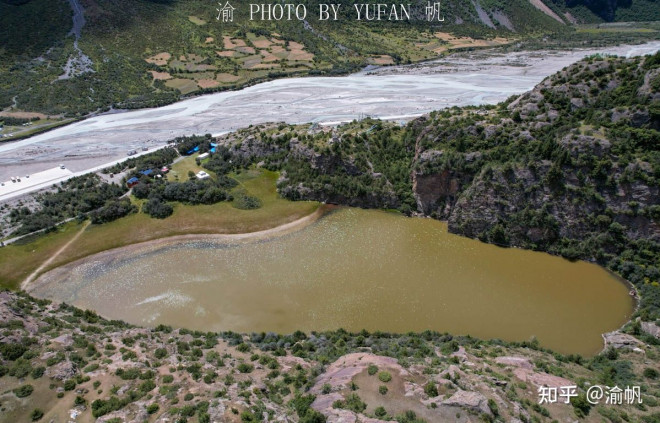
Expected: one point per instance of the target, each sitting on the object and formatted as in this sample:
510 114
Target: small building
164 169
203 156
132 182
147 172
202 175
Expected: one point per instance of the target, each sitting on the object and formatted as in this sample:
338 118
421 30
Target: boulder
620 340
62 371
472 401
651 328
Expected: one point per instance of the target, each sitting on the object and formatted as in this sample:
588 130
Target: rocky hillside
571 167
59 364
70 58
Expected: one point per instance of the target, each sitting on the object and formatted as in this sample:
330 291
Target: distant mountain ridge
146 53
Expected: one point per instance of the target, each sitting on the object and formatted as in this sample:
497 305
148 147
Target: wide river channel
352 269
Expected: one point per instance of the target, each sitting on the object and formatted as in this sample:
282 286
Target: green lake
352 269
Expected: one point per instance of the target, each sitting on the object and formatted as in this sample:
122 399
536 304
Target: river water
398 92
353 269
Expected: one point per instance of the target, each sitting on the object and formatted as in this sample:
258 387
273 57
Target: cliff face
562 161
571 167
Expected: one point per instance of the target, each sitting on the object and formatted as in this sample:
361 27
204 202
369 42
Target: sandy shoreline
287 228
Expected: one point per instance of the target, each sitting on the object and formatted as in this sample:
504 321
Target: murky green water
353 269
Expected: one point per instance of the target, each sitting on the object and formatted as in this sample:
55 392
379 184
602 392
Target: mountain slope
140 53
57 361
571 167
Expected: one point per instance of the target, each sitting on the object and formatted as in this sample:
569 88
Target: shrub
113 210
36 414
380 412
37 372
157 208
12 351
152 408
245 368
382 389
69 385
160 353
352 402
580 405
431 389
372 369
384 377
650 373
23 391
246 202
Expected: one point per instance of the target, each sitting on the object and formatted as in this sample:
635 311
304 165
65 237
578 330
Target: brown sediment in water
353 269
170 240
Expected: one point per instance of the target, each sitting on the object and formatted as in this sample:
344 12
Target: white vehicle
62 166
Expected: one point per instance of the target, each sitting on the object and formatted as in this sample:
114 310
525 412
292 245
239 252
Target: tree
157 208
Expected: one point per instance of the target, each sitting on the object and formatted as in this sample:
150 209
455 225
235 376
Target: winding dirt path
38 270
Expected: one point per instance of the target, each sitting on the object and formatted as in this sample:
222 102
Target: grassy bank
18 261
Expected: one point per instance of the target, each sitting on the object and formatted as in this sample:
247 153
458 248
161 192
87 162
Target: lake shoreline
280 230
117 256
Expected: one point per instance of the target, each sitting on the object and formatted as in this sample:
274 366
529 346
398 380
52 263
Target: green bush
384 376
650 373
152 408
580 405
36 414
23 391
38 372
69 385
382 389
12 351
372 369
245 368
352 402
431 389
246 202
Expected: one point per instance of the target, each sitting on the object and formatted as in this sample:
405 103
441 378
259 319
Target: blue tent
213 149
194 150
214 144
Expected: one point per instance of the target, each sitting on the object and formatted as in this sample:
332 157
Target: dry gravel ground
396 93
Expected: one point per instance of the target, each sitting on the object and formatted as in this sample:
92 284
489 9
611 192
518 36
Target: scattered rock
472 401
620 340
